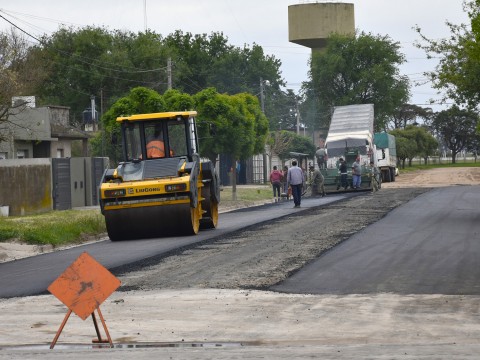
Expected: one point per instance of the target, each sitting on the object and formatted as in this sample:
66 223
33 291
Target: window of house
3 155
60 153
22 154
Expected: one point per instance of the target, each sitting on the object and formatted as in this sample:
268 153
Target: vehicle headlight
175 187
114 193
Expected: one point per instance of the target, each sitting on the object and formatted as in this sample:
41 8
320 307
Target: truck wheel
386 175
392 174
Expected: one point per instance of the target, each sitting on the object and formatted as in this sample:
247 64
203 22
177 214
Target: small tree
406 149
20 72
456 128
419 142
279 143
239 124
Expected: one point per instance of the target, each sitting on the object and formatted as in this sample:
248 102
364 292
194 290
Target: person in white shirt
295 180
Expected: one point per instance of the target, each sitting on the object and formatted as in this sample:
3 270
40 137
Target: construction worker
321 156
155 149
375 177
318 182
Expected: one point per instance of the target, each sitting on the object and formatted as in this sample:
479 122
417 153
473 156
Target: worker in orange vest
155 149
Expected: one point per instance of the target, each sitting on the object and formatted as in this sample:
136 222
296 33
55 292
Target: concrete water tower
310 24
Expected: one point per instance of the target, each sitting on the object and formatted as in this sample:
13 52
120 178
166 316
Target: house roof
68 132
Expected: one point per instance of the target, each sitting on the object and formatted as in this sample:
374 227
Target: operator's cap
341 159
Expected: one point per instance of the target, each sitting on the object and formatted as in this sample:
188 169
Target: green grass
459 163
55 227
248 194
75 226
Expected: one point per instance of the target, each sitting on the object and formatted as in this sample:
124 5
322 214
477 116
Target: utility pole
262 104
169 73
100 116
298 116
262 95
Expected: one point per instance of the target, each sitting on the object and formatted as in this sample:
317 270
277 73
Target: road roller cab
162 187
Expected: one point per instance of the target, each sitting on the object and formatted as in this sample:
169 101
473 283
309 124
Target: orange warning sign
84 285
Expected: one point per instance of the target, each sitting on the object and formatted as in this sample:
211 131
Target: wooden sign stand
82 287
97 330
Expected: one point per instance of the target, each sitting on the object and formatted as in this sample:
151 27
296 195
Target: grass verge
76 226
437 165
55 227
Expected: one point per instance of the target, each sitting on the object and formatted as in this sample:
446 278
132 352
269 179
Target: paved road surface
429 246
32 276
371 323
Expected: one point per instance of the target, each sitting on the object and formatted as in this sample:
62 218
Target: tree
20 72
429 145
406 149
108 64
474 146
360 69
407 114
140 100
202 61
458 70
456 128
239 124
287 142
414 141
95 61
279 143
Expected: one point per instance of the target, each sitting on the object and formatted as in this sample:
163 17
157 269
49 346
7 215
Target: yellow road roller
162 187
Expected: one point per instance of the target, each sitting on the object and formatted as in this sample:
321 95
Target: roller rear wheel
210 206
195 214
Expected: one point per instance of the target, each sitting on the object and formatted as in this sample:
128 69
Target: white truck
386 155
350 136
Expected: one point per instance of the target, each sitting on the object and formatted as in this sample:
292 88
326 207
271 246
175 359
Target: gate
62 197
98 168
76 181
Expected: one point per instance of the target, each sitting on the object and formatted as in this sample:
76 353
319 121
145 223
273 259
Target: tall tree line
93 61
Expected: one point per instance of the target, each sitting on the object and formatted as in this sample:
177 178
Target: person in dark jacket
343 174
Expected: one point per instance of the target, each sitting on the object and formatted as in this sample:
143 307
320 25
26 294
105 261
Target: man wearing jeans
357 173
295 181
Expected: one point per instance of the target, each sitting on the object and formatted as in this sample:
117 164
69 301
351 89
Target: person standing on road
357 173
295 179
276 177
343 174
375 176
318 186
286 189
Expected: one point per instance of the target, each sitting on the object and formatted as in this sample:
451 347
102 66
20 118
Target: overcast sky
264 22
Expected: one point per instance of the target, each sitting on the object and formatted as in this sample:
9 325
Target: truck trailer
386 155
350 136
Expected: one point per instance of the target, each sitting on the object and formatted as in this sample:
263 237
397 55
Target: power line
83 59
